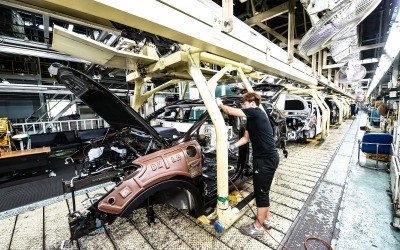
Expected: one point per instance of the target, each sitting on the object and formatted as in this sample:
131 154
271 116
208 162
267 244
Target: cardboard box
381 157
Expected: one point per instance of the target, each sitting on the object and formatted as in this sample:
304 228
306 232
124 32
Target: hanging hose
329 247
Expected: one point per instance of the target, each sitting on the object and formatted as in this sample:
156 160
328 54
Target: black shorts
263 174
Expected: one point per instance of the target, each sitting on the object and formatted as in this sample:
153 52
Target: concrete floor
350 205
366 209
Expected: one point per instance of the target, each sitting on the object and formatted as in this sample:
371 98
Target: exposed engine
108 158
100 157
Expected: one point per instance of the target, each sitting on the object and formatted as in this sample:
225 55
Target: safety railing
58 126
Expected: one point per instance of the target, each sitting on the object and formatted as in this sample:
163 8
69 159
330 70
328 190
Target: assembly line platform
319 191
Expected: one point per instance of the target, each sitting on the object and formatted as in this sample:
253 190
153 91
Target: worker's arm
229 110
244 140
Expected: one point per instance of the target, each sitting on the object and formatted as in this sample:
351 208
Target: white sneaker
251 230
267 224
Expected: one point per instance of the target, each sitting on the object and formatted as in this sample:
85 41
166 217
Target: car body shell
190 110
334 111
301 116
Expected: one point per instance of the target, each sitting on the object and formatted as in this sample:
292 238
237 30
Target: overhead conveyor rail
203 28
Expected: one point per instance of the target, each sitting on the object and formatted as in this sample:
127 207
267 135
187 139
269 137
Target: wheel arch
194 197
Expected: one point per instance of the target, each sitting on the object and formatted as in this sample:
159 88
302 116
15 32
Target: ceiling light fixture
391 50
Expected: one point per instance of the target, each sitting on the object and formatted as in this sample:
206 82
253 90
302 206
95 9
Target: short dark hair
169 99
252 96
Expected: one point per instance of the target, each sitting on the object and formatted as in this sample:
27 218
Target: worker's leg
262 214
263 174
264 171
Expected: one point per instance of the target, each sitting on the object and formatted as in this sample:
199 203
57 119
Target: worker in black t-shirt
265 157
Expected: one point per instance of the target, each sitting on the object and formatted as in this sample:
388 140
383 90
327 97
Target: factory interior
117 129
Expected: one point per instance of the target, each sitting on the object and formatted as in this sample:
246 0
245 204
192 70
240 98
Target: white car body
302 114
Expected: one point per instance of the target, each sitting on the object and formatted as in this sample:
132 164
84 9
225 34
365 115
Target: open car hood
107 105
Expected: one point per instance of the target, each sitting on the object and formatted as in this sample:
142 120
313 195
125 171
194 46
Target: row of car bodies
153 163
304 116
302 112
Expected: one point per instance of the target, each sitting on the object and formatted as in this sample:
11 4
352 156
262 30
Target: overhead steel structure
199 23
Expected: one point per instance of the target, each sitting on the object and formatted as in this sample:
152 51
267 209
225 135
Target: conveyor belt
295 180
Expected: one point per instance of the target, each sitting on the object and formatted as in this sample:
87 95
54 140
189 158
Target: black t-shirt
260 133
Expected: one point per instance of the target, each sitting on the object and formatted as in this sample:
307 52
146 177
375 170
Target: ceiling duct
336 22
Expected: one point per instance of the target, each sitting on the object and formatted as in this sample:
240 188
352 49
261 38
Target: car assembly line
147 180
149 166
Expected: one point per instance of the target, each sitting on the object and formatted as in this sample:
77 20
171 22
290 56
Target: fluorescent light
42 27
392 47
384 63
391 50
